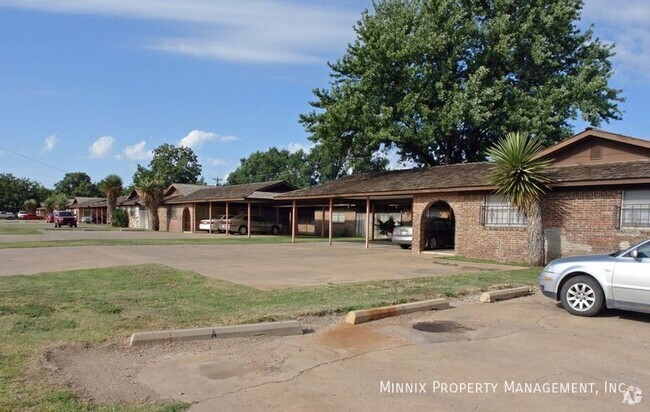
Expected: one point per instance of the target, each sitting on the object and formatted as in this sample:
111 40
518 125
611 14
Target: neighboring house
599 199
185 206
89 206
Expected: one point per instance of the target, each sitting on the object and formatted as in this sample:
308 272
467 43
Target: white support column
331 213
227 220
367 221
294 221
249 219
210 217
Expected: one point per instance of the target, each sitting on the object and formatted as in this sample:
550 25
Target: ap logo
632 395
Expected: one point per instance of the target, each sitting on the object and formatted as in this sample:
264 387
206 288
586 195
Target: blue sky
94 86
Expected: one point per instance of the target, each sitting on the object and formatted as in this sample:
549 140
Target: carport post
294 211
227 221
367 221
322 223
210 217
331 213
249 219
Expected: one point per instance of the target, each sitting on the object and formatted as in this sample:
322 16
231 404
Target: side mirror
634 253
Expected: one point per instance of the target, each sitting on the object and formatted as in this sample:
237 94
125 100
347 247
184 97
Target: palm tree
151 190
522 179
111 186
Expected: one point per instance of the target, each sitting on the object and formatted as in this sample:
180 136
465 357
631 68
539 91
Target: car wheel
243 230
275 230
582 296
405 246
433 242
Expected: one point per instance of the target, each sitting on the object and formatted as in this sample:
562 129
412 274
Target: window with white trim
338 217
498 211
635 209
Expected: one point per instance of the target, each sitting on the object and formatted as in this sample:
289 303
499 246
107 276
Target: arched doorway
438 227
187 220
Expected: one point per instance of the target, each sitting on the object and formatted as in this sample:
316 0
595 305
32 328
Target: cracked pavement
513 345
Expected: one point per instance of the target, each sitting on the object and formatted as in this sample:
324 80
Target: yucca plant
111 186
523 179
151 190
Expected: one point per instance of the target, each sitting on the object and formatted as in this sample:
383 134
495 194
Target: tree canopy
77 184
439 81
171 164
14 191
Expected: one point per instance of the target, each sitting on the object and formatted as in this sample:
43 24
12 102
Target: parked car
438 232
587 284
7 215
29 216
205 223
49 218
239 224
64 218
86 219
22 213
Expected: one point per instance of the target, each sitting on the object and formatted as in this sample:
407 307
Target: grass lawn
233 240
20 229
101 305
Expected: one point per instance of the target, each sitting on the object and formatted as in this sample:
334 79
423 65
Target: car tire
243 230
432 243
405 246
582 296
275 230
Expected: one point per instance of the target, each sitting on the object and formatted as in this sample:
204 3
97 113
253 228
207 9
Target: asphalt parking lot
262 266
524 354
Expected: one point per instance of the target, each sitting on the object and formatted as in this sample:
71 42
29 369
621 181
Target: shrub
120 218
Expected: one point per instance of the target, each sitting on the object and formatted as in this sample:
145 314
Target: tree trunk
153 217
112 205
535 235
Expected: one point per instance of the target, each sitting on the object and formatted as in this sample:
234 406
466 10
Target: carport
186 211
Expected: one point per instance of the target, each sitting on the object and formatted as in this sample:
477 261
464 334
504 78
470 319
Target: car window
644 251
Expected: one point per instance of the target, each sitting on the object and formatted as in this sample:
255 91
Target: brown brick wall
575 222
584 222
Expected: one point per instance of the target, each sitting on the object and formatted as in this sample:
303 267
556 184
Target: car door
631 280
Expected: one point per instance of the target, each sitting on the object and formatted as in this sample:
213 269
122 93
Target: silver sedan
587 284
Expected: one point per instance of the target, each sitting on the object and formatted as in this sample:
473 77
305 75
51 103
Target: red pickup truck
64 218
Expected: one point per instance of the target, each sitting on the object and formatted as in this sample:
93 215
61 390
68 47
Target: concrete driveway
525 354
263 266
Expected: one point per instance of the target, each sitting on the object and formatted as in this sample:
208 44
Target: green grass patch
101 305
16 228
473 260
233 240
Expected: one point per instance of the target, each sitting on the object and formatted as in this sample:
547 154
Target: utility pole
218 181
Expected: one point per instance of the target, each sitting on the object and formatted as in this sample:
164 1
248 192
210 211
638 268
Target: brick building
599 199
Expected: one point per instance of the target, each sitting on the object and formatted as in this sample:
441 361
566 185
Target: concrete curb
505 294
367 315
284 328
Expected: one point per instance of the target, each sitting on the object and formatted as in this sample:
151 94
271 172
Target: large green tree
172 164
274 164
112 187
14 191
441 80
77 184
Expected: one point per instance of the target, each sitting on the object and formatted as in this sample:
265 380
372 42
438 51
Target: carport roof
466 177
262 190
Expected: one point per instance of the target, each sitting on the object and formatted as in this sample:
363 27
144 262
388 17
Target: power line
33 160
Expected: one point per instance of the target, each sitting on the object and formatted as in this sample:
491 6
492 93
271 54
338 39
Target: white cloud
50 142
136 152
101 147
294 147
624 23
196 138
216 162
267 31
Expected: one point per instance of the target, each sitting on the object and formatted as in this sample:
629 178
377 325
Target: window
499 212
635 209
338 217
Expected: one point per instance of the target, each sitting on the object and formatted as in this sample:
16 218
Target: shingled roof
233 192
465 177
